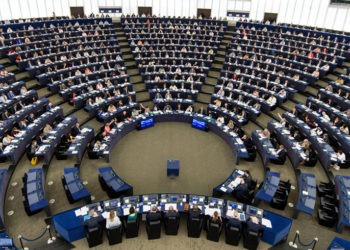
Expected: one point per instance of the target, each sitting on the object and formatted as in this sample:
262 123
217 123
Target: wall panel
305 12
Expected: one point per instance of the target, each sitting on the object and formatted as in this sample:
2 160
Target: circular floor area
140 159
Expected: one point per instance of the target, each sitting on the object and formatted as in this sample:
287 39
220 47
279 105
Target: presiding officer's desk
264 146
69 224
342 186
269 188
229 185
80 142
235 143
307 194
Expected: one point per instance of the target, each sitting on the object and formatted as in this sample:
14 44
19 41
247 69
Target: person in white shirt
189 109
271 101
220 119
342 158
113 220
325 116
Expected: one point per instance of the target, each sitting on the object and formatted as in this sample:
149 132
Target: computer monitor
173 198
254 211
199 123
146 123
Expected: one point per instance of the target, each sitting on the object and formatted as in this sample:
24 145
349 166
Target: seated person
281 155
194 212
201 111
215 218
253 225
153 215
132 214
311 158
234 221
189 109
47 129
172 213
97 146
220 120
34 147
113 220
93 220
167 108
343 162
241 191
248 178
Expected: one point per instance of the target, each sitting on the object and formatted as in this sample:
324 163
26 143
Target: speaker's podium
173 167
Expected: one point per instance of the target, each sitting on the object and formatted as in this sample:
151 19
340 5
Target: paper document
223 189
266 223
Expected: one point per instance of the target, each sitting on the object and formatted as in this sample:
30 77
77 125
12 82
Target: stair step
139 87
208 89
214 74
136 78
203 97
130 63
142 96
211 81
128 56
133 72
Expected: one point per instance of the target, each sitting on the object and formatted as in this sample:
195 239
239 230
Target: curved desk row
21 114
342 138
324 151
295 153
330 110
81 141
229 185
232 139
47 149
69 224
23 139
264 146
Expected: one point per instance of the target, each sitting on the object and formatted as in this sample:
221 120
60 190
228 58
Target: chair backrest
114 234
252 240
132 228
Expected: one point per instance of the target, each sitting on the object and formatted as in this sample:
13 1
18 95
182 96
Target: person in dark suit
94 220
49 106
153 215
31 118
194 212
253 225
172 213
241 191
76 129
281 156
5 115
235 221
247 178
201 111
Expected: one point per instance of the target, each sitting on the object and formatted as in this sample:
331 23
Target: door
145 10
205 13
272 17
77 11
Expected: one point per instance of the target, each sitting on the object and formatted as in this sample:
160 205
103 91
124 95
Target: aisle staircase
142 95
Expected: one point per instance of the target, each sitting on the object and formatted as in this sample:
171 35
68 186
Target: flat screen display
6 242
146 123
198 123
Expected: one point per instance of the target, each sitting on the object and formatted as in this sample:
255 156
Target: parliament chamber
175 124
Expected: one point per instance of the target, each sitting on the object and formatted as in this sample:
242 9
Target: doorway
205 13
77 11
272 17
145 10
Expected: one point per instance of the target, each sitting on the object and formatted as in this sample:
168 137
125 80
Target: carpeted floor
140 159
